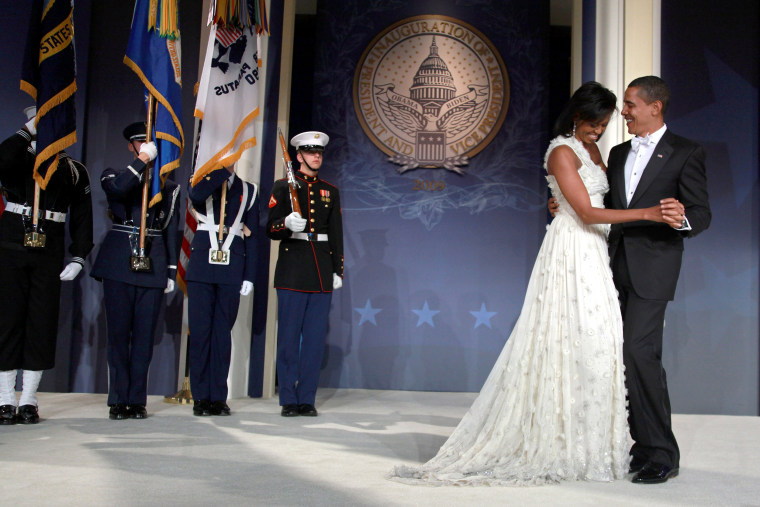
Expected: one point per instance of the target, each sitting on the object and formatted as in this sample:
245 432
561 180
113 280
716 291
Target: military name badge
221 257
431 91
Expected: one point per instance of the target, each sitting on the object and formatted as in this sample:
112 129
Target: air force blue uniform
133 299
214 289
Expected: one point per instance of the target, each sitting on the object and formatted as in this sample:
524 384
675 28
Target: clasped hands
672 211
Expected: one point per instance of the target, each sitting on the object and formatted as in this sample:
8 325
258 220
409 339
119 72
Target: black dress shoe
202 408
137 412
118 412
636 464
307 410
289 411
220 408
27 414
8 414
654 473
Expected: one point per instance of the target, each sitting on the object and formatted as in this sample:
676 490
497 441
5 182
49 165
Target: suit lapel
617 173
661 154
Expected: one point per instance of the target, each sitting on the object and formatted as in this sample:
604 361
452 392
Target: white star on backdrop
425 315
483 316
368 313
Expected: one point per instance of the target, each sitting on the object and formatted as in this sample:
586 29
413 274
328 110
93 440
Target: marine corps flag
153 53
49 76
228 99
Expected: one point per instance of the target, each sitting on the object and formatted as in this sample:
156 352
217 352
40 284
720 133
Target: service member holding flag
133 299
309 267
223 257
43 185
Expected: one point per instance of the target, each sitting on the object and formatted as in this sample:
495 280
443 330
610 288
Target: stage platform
77 456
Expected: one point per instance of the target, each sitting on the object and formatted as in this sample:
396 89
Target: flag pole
141 262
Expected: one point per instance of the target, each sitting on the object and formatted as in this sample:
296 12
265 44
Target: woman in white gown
553 407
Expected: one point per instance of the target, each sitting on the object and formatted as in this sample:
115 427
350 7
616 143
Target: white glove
337 281
150 150
30 126
71 271
294 222
246 288
169 286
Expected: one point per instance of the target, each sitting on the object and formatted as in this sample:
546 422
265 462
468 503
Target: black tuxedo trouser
645 379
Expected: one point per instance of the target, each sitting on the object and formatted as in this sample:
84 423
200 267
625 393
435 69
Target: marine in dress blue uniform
31 276
133 299
219 272
309 267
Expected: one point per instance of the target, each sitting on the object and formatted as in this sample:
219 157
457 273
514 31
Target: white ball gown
553 407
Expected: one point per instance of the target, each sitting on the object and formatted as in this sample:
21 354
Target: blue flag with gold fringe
49 76
153 53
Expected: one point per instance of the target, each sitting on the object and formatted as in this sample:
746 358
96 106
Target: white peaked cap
311 140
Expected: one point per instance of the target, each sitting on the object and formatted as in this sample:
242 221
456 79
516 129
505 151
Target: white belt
133 229
205 226
308 237
53 216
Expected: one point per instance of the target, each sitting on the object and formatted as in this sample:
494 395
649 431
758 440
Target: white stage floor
77 456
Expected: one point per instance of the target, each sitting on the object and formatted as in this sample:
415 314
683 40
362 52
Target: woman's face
589 132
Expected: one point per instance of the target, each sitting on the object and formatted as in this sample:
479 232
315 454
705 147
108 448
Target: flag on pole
49 76
191 224
228 99
153 53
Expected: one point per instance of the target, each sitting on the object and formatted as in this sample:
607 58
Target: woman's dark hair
590 102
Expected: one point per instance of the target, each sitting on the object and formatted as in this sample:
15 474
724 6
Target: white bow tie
637 142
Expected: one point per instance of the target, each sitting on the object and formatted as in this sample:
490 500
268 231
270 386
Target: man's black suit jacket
653 250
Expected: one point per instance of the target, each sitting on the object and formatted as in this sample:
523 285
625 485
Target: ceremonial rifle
292 183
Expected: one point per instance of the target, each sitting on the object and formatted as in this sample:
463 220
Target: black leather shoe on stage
654 473
202 408
27 414
220 408
118 412
307 410
636 465
7 414
137 412
289 411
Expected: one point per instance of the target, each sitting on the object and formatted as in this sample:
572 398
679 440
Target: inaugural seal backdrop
437 120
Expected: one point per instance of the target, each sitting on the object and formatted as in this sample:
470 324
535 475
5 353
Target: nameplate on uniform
221 257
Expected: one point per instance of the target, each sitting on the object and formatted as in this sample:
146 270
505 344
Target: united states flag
187 238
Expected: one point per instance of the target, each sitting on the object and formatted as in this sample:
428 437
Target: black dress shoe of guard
8 414
118 412
202 408
220 408
654 473
636 464
289 411
307 410
28 414
137 412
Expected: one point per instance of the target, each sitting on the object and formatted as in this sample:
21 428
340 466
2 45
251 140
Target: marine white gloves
71 271
337 281
150 150
294 222
30 126
246 288
169 286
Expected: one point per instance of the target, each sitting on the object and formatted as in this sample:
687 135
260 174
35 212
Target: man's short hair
652 88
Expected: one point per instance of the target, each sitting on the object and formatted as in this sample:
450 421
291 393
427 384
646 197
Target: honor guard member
221 269
133 299
309 267
31 273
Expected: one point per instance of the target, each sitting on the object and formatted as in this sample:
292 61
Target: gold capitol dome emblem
431 91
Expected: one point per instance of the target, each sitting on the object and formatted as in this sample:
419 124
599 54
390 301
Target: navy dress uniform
133 299
219 272
309 267
31 276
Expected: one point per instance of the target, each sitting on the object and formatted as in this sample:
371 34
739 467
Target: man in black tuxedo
646 260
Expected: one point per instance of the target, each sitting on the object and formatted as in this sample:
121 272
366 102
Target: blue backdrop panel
434 278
